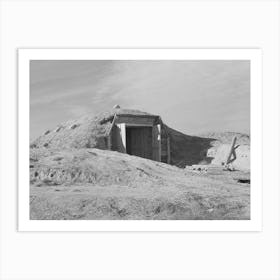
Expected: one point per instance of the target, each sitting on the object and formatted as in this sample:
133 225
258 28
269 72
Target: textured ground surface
99 184
73 176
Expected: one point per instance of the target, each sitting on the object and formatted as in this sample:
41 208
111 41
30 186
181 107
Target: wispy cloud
192 96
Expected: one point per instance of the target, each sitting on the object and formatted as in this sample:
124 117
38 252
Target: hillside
99 184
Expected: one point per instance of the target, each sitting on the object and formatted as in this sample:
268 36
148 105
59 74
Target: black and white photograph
140 140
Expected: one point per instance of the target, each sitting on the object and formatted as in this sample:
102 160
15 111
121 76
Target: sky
192 96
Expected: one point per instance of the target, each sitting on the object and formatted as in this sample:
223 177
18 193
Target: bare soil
99 184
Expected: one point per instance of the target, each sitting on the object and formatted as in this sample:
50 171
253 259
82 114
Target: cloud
192 96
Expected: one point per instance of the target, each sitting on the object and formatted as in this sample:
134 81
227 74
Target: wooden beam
231 151
168 150
137 116
109 143
112 124
159 141
144 121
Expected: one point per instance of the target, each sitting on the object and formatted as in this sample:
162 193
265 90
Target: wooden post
109 141
231 150
168 150
159 142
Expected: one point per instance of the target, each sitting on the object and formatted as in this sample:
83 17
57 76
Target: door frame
156 137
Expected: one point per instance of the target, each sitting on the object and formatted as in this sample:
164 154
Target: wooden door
139 141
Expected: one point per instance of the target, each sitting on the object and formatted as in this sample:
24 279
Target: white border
254 55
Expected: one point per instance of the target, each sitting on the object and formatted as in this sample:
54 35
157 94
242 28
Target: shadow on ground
188 150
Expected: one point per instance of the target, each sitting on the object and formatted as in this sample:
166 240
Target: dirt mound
93 166
89 131
99 184
92 131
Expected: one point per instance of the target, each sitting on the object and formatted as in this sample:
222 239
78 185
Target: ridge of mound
226 137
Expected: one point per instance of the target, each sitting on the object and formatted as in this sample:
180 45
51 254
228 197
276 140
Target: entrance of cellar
139 141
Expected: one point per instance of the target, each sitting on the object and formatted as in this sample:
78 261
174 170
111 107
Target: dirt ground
97 184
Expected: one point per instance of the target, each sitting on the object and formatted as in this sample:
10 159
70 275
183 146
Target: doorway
139 141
